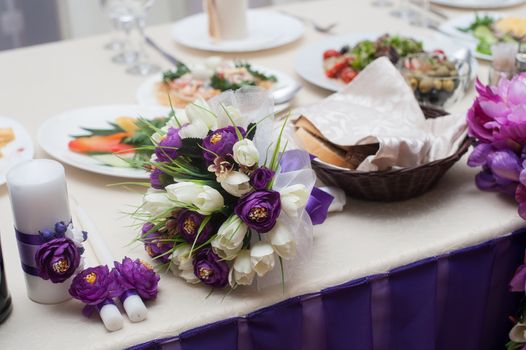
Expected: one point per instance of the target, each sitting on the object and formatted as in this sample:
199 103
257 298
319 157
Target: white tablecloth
366 238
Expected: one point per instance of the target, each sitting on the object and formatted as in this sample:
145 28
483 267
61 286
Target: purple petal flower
504 164
517 90
210 268
94 285
518 280
188 223
259 210
479 155
167 148
261 177
520 197
157 246
220 143
137 275
159 180
57 259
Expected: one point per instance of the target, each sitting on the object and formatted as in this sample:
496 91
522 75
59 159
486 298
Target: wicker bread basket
391 185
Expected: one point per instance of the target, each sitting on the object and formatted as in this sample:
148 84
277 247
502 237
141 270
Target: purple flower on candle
94 285
167 148
261 177
220 143
188 223
259 210
210 268
137 275
57 259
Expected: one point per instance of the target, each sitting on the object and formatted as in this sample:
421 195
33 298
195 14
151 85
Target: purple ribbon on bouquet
319 200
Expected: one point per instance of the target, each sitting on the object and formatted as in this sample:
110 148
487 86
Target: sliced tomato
331 53
337 67
347 74
101 144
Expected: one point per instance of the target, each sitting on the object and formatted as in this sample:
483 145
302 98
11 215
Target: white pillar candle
39 199
227 19
111 317
133 304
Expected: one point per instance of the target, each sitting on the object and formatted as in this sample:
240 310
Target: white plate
479 4
266 29
464 21
19 150
55 134
309 60
146 94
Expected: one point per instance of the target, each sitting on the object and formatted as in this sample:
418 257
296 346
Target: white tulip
158 136
235 183
197 129
182 264
246 153
229 239
262 258
241 272
208 201
281 240
178 120
232 116
293 199
199 110
157 203
184 192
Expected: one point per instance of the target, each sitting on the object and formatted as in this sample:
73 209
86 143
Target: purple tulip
220 143
57 259
210 268
259 210
188 223
138 276
157 246
94 285
167 148
155 179
261 177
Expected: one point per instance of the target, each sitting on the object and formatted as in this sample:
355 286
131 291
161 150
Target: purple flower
159 180
220 143
57 259
156 244
94 285
167 148
518 281
210 269
520 197
261 177
137 275
259 210
188 223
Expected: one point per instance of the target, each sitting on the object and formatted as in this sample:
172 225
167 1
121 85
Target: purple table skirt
454 301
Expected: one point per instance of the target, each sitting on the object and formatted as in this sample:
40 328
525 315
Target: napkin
379 108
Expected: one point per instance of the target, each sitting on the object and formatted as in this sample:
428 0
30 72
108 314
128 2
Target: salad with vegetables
125 143
489 30
184 84
345 64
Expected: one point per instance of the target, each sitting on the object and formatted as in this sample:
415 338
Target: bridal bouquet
497 120
227 202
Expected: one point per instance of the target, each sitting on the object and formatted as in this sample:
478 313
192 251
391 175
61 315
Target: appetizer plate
146 94
16 151
55 134
309 60
479 4
463 21
266 29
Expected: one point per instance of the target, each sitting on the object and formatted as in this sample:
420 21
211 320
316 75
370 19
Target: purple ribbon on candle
88 310
126 294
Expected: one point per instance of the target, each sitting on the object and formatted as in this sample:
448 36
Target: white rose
197 129
246 153
208 201
293 199
241 272
157 203
235 183
232 116
281 240
182 264
199 110
262 258
184 192
229 238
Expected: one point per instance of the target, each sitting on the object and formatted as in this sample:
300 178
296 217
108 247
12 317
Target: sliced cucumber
113 160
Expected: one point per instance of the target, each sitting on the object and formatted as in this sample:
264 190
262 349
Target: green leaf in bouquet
201 228
274 162
251 131
238 133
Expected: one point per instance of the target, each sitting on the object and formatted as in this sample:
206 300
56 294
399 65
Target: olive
448 85
425 85
344 49
413 83
437 84
434 96
442 71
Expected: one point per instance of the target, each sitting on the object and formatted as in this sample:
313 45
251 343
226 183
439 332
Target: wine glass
124 19
403 11
116 43
142 66
382 3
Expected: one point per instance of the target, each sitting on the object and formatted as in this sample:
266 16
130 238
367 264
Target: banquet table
425 273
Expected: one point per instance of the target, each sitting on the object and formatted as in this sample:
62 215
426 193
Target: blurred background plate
479 4
16 151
